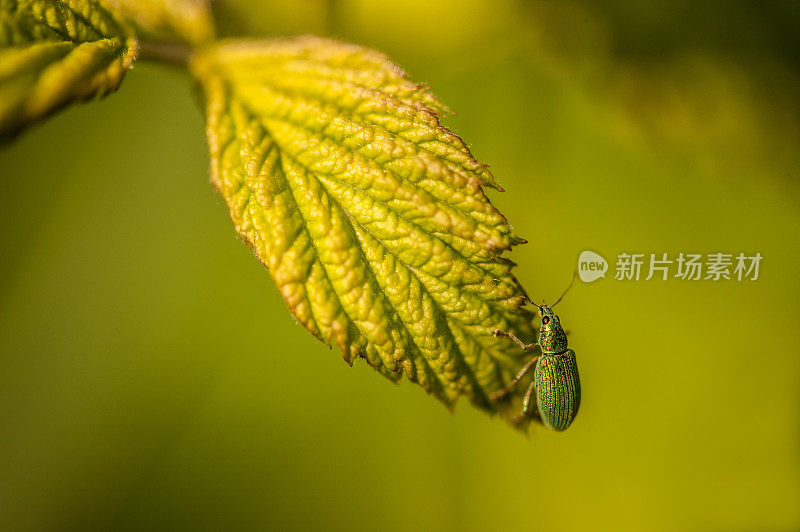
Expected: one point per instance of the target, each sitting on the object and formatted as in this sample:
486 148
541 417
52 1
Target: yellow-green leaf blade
53 52
369 214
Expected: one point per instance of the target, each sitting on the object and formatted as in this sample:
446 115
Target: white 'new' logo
591 266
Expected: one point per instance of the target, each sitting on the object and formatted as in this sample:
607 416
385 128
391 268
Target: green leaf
53 52
187 20
369 214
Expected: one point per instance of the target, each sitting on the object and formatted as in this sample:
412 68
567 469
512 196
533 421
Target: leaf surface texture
369 214
53 52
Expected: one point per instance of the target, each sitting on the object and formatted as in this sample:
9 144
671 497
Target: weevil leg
526 401
526 405
496 396
523 345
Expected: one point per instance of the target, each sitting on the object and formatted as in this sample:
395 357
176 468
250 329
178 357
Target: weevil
555 374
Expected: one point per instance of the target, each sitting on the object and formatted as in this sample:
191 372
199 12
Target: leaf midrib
281 154
487 273
475 387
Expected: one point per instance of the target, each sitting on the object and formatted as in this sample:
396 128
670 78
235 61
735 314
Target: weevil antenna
534 303
572 282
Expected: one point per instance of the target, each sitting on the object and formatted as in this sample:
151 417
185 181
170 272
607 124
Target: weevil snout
549 318
552 337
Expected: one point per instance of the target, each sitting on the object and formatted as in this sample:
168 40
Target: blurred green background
151 377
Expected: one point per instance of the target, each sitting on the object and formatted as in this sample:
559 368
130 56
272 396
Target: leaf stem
173 53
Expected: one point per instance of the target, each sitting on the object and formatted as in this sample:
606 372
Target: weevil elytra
555 378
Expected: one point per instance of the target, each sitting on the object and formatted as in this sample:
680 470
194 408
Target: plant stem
172 53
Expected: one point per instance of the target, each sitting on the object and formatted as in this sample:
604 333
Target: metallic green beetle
555 378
